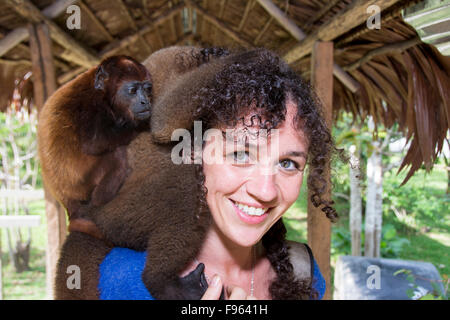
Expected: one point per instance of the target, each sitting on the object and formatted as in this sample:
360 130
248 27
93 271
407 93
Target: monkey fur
84 128
157 207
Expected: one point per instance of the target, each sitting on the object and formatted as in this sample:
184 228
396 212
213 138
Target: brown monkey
156 209
84 128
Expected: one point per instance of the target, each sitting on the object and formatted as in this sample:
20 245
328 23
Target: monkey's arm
99 143
175 108
112 172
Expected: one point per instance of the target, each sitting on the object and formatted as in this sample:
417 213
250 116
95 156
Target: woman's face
257 180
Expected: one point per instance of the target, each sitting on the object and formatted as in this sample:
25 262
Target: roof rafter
114 47
353 16
81 55
13 38
299 35
248 7
118 45
127 15
219 24
97 22
396 47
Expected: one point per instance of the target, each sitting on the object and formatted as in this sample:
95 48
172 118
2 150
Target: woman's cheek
291 189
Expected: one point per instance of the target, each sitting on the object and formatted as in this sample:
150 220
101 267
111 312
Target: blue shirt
121 270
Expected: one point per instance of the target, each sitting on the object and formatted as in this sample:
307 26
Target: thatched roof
389 73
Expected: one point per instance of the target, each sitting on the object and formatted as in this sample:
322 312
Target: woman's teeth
251 211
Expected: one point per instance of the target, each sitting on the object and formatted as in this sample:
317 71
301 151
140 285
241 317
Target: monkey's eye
132 90
148 88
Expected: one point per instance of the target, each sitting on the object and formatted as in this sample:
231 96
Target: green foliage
420 200
18 144
391 245
416 293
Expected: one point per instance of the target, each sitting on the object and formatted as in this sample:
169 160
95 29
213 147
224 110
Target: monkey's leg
169 250
113 175
77 271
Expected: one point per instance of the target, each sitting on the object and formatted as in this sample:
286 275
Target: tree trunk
355 201
373 202
1 267
378 208
448 174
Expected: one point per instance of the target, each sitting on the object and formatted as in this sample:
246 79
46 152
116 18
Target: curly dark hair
259 81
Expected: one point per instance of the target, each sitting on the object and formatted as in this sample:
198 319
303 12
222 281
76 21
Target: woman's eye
240 157
289 165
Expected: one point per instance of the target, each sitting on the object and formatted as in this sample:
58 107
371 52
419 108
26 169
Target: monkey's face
135 98
126 86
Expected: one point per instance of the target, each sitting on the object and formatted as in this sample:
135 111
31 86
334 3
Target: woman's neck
225 257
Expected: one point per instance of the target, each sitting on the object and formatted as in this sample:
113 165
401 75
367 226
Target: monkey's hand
194 285
190 287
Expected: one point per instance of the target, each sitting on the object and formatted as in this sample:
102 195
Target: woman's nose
262 186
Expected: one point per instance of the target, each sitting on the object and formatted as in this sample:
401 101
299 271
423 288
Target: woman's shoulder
300 258
120 275
305 266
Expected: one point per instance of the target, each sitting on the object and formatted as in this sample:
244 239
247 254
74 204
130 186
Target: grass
31 284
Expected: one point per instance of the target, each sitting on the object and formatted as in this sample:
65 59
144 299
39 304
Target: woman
248 191
262 126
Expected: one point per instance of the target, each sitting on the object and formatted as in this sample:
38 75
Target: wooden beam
318 225
219 24
127 15
114 47
159 37
248 8
28 11
203 29
20 221
97 22
12 39
282 19
44 83
299 35
388 15
353 16
263 30
15 62
70 75
28 195
396 47
331 4
214 31
173 28
222 8
18 35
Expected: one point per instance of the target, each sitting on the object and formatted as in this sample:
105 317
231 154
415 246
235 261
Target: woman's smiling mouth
250 214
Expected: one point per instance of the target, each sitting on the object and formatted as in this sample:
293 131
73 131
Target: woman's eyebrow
295 154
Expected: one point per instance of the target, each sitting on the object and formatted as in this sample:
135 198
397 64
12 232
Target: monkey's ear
100 76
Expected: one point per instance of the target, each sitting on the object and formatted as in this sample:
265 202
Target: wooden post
44 83
1 267
319 226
